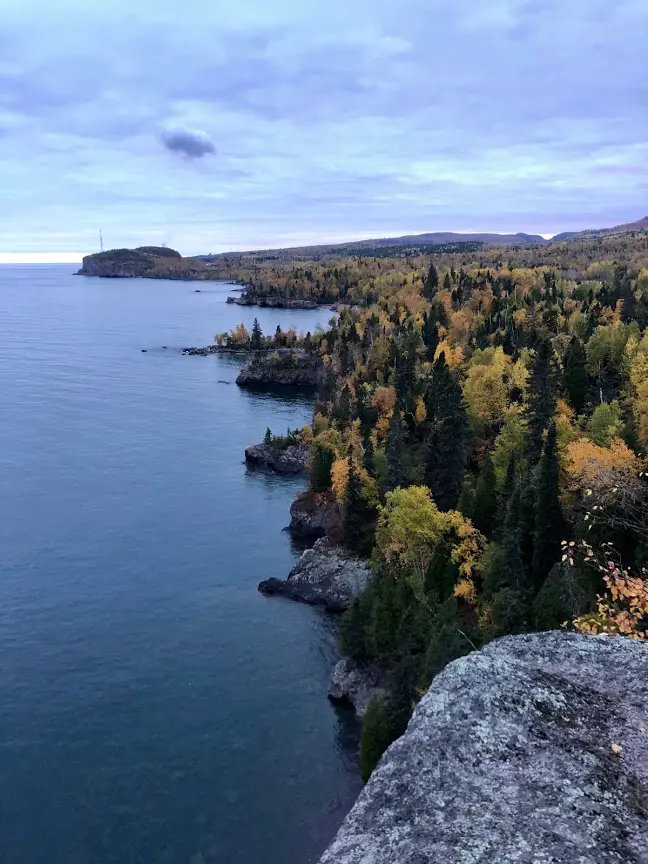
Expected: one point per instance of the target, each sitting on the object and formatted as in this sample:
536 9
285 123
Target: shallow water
153 706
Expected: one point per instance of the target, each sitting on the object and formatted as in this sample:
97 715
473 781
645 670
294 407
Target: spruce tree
484 505
356 515
541 405
376 736
396 455
549 523
430 335
321 465
447 440
256 342
431 283
575 375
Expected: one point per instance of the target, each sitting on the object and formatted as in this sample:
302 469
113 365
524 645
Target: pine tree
484 506
575 376
431 283
447 284
267 438
549 523
541 405
256 342
447 440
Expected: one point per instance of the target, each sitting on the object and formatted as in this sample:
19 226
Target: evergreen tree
575 376
267 438
484 505
549 523
321 465
628 300
430 335
541 405
396 454
431 283
447 440
513 575
256 342
376 736
447 642
355 512
447 284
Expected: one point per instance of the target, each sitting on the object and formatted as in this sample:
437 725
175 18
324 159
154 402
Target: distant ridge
627 228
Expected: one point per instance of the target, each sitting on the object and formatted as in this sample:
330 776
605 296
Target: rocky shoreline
294 369
272 302
294 459
325 576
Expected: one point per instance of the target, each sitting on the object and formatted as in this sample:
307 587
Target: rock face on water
314 515
247 299
533 750
291 369
358 686
288 460
324 576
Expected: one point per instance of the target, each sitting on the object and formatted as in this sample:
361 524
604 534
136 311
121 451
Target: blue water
154 707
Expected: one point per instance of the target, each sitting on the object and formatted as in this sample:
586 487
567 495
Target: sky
211 126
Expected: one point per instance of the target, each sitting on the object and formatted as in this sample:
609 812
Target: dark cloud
193 145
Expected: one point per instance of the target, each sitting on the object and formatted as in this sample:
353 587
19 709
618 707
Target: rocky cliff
294 459
533 750
325 575
291 369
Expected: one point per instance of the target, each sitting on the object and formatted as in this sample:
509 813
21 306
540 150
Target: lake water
154 707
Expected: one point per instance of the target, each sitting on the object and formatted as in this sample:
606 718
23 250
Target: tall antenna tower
100 241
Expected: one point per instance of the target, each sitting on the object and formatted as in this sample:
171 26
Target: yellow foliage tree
410 528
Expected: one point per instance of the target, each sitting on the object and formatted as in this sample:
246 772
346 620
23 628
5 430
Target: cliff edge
532 750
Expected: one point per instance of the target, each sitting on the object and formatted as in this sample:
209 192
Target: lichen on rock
532 750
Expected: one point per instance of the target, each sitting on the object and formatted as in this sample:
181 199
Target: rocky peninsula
325 576
293 459
147 262
286 369
534 749
271 302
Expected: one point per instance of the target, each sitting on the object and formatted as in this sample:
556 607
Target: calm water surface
153 706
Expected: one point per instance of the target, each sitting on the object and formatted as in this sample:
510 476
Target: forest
482 425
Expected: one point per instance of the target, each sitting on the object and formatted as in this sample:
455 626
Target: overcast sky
212 124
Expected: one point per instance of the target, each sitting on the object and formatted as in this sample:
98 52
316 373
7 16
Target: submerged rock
350 683
314 515
288 460
325 575
533 750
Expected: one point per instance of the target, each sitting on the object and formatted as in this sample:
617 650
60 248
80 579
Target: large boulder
533 750
314 515
294 459
324 576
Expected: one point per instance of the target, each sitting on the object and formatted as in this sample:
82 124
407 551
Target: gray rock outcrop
314 515
533 750
294 369
324 576
349 683
294 459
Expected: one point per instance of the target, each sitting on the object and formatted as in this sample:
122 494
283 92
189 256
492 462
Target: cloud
193 145
332 120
